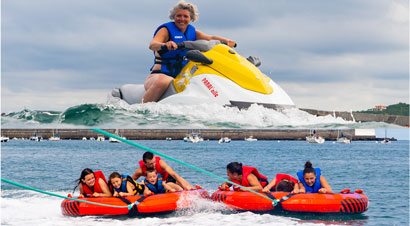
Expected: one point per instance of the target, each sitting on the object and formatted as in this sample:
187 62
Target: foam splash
192 203
118 114
22 207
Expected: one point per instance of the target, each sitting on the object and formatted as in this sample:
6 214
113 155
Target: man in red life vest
168 174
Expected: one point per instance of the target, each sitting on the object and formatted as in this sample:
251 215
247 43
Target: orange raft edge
159 203
336 203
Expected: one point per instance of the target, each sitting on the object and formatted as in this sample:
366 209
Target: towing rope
274 201
61 196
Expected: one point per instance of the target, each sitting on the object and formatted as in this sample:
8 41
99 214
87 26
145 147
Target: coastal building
379 108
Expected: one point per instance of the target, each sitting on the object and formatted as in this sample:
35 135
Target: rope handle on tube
274 201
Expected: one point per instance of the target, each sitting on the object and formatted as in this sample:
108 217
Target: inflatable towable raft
344 202
158 203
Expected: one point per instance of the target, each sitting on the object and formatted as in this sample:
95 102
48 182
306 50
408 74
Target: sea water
162 116
380 170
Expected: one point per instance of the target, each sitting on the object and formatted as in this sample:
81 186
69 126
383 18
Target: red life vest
281 176
97 188
246 170
157 168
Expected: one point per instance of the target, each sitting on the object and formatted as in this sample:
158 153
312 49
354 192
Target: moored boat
159 203
250 138
345 202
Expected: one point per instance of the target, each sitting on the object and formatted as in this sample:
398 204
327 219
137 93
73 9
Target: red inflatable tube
143 204
343 203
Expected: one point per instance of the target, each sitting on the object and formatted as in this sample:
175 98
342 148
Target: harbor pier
211 134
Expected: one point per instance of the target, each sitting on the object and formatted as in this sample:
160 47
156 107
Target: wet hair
235 167
147 156
114 175
285 185
150 170
84 173
187 6
309 168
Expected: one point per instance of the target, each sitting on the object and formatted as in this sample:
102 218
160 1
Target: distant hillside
395 109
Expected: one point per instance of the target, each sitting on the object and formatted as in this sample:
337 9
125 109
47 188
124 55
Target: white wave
30 208
212 115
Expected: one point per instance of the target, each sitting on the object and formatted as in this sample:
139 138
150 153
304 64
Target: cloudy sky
329 55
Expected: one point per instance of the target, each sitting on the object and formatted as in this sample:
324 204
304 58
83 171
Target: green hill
395 109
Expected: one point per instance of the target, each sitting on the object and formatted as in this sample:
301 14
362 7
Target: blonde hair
187 6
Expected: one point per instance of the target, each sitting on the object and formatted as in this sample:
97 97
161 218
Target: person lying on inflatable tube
155 162
246 176
124 185
282 182
155 184
92 184
311 181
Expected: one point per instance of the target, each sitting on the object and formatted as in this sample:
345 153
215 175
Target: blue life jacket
316 186
173 61
157 188
123 188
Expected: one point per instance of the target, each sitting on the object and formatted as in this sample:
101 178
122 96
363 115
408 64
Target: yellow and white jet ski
215 73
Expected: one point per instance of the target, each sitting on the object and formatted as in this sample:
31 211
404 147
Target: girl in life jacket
282 182
124 185
311 181
246 176
155 184
92 184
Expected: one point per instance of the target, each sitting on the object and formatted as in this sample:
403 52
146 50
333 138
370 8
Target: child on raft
92 184
311 181
124 185
282 182
153 181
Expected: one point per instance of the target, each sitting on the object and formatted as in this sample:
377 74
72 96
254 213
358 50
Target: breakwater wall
363 117
179 134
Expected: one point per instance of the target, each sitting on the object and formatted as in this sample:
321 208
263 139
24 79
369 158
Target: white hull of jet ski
210 89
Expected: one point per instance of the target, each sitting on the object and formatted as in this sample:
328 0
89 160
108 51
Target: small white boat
36 138
85 138
342 139
92 138
54 137
194 137
224 140
114 140
314 138
385 140
250 138
100 138
4 139
168 139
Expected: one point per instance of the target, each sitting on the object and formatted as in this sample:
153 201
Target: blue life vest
316 186
157 188
173 61
123 187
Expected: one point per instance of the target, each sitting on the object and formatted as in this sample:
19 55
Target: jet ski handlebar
201 45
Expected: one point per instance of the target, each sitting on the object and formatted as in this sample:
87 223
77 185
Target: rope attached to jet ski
274 201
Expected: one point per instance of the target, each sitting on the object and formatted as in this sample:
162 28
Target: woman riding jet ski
215 73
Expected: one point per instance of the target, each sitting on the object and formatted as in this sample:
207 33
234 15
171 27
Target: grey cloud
95 45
